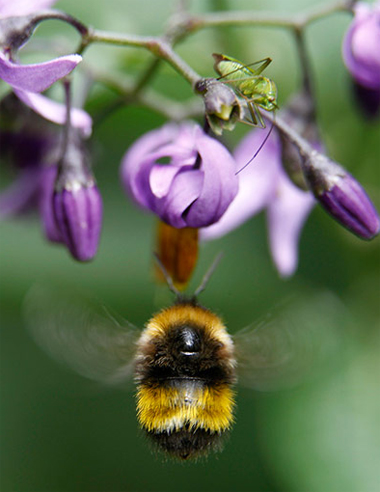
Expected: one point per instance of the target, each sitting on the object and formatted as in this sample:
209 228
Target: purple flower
29 80
193 188
361 53
264 185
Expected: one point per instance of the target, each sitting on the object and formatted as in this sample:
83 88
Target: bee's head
185 340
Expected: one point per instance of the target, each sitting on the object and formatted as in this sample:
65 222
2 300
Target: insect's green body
253 87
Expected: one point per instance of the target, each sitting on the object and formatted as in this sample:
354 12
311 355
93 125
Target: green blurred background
60 432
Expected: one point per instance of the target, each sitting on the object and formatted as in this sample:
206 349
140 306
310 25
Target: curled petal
287 213
56 112
137 163
39 76
220 183
184 191
161 178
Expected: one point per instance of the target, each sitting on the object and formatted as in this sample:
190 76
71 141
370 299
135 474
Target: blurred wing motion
284 351
74 333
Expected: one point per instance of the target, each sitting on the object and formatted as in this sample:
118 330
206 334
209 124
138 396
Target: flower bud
77 204
222 107
341 196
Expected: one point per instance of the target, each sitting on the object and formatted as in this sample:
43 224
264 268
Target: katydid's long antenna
208 274
257 151
168 278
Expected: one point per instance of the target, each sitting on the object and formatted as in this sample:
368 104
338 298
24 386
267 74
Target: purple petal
56 112
287 212
137 163
185 189
9 8
21 194
220 183
160 179
37 77
257 183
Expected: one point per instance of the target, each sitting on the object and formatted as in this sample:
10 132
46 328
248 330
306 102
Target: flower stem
58 15
160 47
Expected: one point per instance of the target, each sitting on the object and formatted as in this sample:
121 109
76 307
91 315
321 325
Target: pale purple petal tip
37 77
287 213
9 8
78 214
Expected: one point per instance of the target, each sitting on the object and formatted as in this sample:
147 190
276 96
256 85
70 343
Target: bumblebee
184 363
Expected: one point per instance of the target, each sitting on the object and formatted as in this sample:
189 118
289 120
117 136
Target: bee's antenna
208 274
257 151
168 278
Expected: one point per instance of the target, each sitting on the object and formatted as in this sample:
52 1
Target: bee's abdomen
186 418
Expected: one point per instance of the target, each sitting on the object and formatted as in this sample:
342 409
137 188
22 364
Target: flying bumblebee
184 363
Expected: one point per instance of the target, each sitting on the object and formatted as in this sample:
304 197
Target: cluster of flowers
199 186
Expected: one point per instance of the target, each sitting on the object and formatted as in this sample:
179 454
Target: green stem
159 47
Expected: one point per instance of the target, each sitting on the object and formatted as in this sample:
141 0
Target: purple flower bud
222 107
77 204
194 188
361 49
78 215
341 196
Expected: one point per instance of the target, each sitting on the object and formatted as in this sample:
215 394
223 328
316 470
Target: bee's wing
282 351
75 333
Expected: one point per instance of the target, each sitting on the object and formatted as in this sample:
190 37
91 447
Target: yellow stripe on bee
167 409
